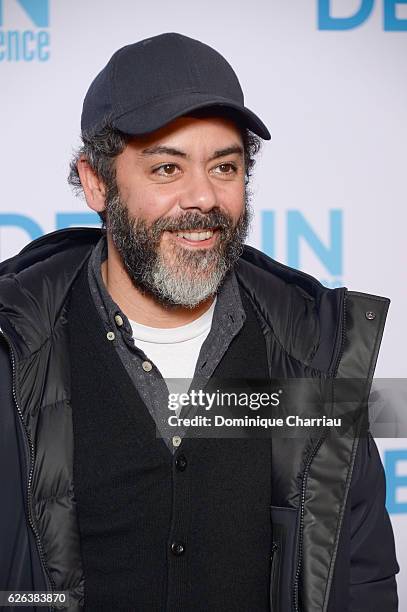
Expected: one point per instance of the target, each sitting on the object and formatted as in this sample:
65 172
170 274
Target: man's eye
166 170
227 168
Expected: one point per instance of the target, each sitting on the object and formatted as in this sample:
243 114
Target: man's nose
199 193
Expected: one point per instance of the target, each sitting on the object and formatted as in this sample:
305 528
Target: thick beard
192 275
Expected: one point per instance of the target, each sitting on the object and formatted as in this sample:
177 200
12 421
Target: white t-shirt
175 350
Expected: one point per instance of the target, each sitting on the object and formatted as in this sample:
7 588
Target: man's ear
93 187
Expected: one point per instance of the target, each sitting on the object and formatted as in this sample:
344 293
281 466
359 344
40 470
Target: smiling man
104 506
178 222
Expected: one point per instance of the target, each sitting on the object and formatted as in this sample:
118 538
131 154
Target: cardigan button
147 367
176 441
177 548
181 463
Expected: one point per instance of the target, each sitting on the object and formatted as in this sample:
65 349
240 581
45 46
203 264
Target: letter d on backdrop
327 22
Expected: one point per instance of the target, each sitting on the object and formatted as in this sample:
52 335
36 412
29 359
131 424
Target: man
94 325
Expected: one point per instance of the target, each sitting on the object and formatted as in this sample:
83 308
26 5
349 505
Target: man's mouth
195 237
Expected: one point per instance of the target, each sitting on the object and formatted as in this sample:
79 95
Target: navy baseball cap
147 84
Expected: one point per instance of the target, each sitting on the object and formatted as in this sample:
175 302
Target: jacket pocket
284 522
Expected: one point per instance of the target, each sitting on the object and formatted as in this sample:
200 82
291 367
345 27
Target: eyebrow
161 149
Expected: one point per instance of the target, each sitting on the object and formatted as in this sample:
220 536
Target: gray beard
192 275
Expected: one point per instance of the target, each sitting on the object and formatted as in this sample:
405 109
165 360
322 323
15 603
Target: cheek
233 199
149 203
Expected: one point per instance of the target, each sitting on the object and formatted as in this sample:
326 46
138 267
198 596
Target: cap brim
146 119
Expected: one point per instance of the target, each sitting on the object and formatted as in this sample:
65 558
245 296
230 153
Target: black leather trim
333 464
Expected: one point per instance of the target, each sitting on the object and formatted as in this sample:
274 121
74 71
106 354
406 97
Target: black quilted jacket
328 493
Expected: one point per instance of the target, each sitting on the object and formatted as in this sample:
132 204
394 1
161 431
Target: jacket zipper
343 335
49 581
308 465
301 525
274 605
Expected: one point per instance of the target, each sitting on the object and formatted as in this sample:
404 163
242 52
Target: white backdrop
329 80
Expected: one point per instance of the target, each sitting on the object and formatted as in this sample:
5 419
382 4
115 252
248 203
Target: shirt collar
228 309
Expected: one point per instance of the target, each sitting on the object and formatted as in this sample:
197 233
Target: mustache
215 219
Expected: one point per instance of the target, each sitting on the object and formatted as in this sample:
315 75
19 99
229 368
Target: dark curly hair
102 147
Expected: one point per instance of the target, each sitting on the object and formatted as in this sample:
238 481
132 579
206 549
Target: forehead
192 132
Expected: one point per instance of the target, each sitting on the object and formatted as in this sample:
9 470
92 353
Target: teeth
196 236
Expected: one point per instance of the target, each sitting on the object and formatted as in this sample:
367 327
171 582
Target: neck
141 307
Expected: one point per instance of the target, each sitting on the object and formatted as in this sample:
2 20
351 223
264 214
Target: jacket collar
300 312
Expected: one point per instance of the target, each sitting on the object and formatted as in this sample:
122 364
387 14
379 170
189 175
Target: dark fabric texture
133 503
19 561
366 565
303 326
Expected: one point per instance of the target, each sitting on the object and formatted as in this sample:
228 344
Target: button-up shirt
228 319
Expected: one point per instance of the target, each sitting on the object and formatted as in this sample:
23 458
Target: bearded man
101 500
